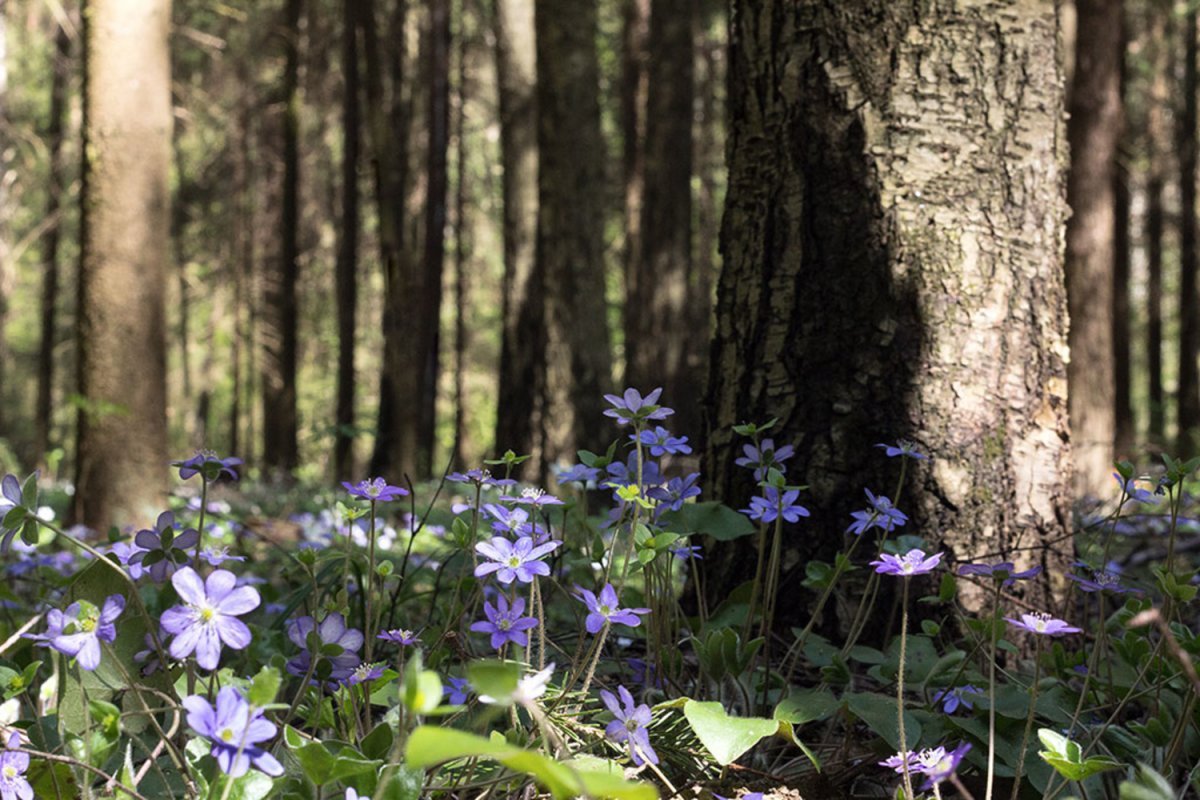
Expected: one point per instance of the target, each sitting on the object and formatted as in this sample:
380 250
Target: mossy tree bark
892 249
121 474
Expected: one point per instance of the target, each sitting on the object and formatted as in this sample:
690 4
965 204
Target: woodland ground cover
475 637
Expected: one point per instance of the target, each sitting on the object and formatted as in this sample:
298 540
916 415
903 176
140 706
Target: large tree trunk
518 412
44 416
635 30
121 476
1124 428
658 338
347 262
893 255
570 240
1158 154
1189 299
280 453
1093 132
6 211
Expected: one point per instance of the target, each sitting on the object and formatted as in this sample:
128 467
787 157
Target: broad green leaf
806 705
711 519
878 711
1146 785
1067 758
494 678
254 785
314 758
726 737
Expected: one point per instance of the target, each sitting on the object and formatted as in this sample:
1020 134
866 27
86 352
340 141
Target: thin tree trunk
1124 431
658 340
570 241
710 158
280 453
461 245
125 207
1189 300
874 290
635 88
347 263
50 239
1093 132
518 414
6 208
1158 144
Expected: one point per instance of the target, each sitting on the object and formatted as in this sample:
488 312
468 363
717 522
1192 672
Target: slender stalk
908 790
591 672
991 767
1033 695
368 600
200 522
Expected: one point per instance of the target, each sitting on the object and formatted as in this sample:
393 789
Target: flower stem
991 767
908 790
368 601
591 672
1033 695
200 522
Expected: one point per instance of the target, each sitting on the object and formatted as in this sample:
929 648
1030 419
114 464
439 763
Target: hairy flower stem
200 524
291 712
1033 696
797 649
591 672
995 634
368 599
908 789
756 587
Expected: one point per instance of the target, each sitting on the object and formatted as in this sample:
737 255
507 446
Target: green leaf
1066 757
378 743
726 737
264 687
710 518
806 705
1146 785
494 678
878 712
314 758
428 746
254 785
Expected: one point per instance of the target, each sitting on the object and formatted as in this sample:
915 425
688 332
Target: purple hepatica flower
902 448
938 765
631 406
11 498
216 556
882 514
1132 492
236 730
607 608
506 520
952 698
364 673
579 473
209 615
376 489
533 497
643 673
898 761
161 550
684 552
401 636
457 691
513 561
1042 624
769 508
78 631
661 442
913 562
1003 571
505 624
630 725
13 763
626 473
148 657
764 457
1102 580
479 477
672 496
125 551
336 647
207 464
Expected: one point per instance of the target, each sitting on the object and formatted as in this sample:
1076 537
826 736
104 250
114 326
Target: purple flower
209 615
630 725
365 673
1003 571
505 624
12 503
235 730
626 473
643 673
401 636
479 477
631 406
160 550
937 765
953 697
376 489
208 465
148 657
1102 580
763 457
773 505
579 473
607 608
13 763
913 562
78 631
335 646
457 691
1131 491
533 497
125 551
902 448
685 552
520 561
882 514
672 496
1042 624
661 442
216 556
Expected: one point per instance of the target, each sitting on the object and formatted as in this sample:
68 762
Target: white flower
529 689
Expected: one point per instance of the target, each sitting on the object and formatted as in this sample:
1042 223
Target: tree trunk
635 30
1189 300
1093 133
1124 430
280 453
892 270
570 240
710 162
121 476
347 263
1158 147
518 413
461 246
658 339
44 416
6 210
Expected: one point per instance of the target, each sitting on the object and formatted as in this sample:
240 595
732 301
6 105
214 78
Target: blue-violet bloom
236 730
209 615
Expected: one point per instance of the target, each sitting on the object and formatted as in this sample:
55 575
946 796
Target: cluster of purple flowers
937 764
78 631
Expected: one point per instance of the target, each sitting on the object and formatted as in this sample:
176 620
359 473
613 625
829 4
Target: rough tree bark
570 240
892 270
518 413
125 204
347 261
1189 299
1124 431
635 30
1093 133
1158 155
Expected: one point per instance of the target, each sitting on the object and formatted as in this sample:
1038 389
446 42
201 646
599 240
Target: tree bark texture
121 475
1093 133
518 414
892 270
1124 427
1158 159
1189 298
570 241
347 262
